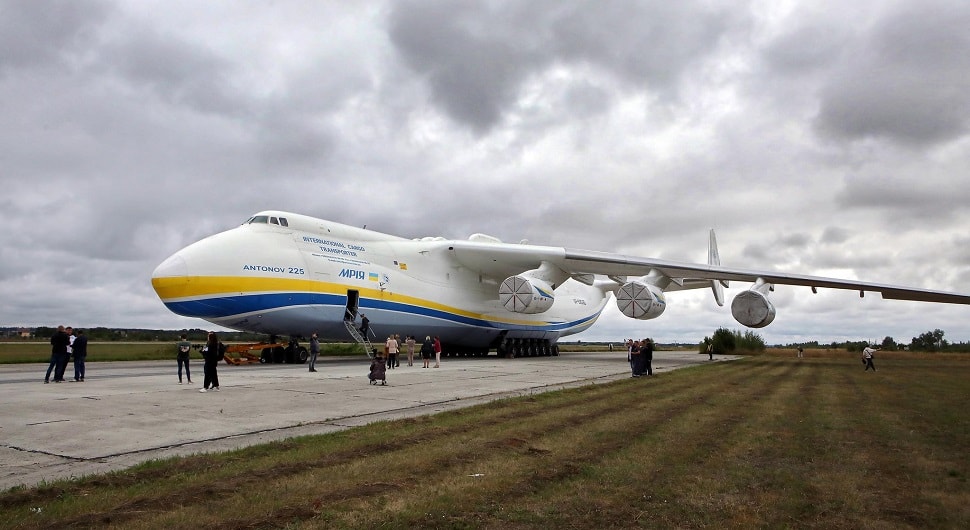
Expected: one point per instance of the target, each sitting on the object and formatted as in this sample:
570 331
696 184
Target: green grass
765 441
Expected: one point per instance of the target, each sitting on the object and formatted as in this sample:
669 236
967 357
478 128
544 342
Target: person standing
182 351
59 343
437 352
397 358
646 356
391 347
80 355
409 346
427 350
211 363
66 357
710 351
635 358
801 352
314 351
867 355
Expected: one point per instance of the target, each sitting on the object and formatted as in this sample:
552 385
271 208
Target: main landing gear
512 348
292 353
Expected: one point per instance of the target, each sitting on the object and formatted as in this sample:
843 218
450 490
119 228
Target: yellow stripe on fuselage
171 289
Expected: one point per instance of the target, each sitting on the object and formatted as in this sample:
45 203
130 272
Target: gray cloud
477 56
904 79
818 138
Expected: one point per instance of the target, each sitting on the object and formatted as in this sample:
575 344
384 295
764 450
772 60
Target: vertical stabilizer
713 258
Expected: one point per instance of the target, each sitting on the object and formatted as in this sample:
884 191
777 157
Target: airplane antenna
365 226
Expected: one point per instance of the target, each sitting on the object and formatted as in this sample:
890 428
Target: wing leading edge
621 265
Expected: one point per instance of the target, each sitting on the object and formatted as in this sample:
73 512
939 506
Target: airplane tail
713 258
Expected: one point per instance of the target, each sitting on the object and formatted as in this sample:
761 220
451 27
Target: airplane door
353 299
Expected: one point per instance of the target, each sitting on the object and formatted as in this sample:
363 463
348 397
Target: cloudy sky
820 137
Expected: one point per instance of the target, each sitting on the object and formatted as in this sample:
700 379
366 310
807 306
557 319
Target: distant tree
726 341
889 344
930 341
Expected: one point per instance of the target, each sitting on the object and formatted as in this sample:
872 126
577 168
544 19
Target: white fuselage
311 274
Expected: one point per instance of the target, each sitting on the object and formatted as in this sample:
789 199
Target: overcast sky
820 137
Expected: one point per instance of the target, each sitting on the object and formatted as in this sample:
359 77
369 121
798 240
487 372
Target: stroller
378 370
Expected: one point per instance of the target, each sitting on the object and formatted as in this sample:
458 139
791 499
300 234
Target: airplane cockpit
267 219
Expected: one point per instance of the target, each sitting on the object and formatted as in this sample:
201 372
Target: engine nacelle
639 300
521 294
753 309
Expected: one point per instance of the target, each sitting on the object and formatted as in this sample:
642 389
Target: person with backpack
182 350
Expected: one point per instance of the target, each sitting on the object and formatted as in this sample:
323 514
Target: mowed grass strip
759 442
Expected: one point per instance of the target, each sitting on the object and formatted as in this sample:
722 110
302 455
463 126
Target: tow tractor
266 352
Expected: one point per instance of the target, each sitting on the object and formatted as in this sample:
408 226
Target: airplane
287 274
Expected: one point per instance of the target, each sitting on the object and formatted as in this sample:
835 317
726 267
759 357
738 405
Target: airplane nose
170 277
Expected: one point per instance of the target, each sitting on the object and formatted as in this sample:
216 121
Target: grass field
766 441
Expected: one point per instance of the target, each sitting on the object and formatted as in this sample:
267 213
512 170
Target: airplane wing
500 260
620 265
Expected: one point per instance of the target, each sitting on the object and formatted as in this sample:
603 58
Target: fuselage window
283 221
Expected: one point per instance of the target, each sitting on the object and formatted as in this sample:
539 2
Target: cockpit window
273 220
283 222
263 219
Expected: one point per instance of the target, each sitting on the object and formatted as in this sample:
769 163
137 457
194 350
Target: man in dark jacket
80 354
59 344
646 356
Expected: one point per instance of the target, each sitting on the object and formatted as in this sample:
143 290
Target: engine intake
753 309
520 294
639 300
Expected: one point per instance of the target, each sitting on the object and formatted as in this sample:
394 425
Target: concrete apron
130 412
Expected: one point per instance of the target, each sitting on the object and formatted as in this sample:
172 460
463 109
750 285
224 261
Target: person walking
211 364
182 350
80 355
314 351
867 355
801 352
437 352
59 344
364 325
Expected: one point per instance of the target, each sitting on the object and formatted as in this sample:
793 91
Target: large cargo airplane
286 274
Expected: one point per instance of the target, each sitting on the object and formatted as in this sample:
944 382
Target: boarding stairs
361 339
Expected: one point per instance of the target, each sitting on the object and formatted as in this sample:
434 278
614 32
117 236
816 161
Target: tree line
725 341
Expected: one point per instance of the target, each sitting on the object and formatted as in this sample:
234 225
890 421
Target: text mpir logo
353 273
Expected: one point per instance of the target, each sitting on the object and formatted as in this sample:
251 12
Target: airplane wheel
555 350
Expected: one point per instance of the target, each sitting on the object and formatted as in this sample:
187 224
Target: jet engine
523 294
752 307
640 300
